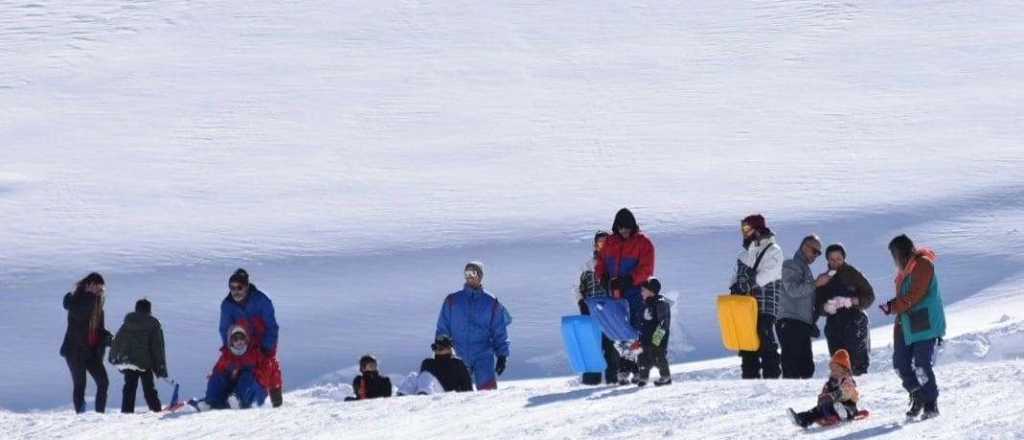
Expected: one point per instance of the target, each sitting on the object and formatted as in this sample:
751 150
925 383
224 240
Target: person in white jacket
759 273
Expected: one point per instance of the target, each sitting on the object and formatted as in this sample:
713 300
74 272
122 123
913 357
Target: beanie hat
757 222
842 358
365 360
476 266
442 341
143 306
240 276
653 285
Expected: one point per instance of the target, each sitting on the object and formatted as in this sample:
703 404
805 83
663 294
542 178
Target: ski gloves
840 302
619 285
500 366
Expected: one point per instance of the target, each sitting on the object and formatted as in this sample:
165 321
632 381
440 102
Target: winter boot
916 405
799 419
276 399
641 382
662 381
623 378
931 411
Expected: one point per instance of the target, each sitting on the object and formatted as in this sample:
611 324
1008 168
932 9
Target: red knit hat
842 358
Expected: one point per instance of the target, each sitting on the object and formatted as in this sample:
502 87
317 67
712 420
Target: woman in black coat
86 340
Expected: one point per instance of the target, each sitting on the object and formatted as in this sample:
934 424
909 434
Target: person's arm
269 342
865 293
920 281
386 387
795 285
645 262
355 386
499 331
664 311
444 318
225 323
156 347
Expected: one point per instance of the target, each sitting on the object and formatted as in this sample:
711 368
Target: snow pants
481 367
848 329
245 387
131 384
795 339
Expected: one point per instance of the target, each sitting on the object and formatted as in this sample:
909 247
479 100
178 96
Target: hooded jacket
631 257
139 345
256 314
82 307
476 322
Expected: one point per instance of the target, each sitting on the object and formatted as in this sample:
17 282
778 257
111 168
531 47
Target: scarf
902 275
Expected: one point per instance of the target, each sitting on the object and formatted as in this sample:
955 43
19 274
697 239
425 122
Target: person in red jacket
238 372
624 264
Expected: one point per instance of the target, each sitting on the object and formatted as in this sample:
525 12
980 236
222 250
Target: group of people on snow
471 342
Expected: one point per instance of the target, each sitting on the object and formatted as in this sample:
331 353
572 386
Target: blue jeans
914 364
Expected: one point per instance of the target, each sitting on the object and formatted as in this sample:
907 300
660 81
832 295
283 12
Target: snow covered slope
354 154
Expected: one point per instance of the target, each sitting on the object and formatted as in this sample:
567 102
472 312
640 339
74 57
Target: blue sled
613 317
582 339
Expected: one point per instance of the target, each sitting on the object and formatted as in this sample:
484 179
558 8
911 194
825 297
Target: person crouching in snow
449 370
654 331
370 384
138 352
838 399
235 374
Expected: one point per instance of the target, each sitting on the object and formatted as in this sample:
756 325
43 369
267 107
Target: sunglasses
815 251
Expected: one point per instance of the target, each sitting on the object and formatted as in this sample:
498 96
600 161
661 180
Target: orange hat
842 358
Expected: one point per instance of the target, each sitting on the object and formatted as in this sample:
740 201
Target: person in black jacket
843 300
654 332
138 352
449 370
86 339
370 384
591 287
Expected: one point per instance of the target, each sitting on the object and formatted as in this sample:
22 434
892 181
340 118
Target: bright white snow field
353 155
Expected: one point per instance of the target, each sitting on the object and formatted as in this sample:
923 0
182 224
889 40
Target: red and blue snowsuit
478 326
238 375
256 315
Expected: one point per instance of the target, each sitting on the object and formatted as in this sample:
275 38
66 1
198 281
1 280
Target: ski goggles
472 274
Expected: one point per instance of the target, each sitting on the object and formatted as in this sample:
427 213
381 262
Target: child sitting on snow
838 399
237 373
370 384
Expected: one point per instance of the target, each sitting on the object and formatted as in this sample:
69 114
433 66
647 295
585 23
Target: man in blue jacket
478 325
248 307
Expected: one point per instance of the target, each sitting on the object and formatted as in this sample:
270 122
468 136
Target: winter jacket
450 371
657 315
759 271
918 304
139 345
476 322
590 284
231 365
256 314
797 299
847 282
839 390
371 386
83 309
632 257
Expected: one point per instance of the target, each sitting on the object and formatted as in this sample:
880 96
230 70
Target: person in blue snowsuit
478 325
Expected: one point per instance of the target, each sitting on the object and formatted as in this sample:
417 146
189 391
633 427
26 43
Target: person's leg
611 357
217 389
78 381
832 335
646 362
482 368
807 418
923 353
902 358
131 383
858 344
149 391
249 390
786 329
804 355
636 307
99 375
750 365
769 351
661 361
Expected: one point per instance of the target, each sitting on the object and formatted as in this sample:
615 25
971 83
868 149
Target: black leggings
94 366
131 384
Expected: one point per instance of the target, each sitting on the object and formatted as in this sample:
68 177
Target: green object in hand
658 335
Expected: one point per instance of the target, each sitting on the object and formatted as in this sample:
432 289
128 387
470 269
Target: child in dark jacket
370 384
838 398
449 370
138 352
654 332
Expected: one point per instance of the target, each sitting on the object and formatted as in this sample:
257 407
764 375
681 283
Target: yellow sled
737 316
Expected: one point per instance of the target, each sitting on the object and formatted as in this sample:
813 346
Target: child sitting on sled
838 399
